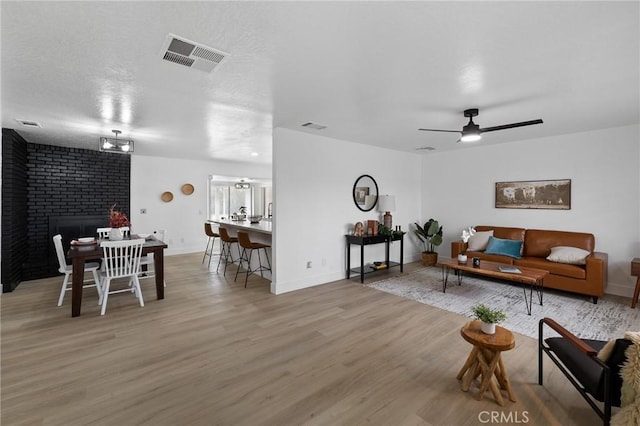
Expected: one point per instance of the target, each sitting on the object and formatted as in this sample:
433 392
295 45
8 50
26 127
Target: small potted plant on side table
489 317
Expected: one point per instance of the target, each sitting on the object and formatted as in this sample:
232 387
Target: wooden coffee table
527 276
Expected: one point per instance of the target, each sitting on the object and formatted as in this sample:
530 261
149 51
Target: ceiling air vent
315 126
181 51
29 123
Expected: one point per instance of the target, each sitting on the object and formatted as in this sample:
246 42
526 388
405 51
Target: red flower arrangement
117 219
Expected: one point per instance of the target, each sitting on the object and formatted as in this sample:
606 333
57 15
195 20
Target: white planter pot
487 328
462 258
115 234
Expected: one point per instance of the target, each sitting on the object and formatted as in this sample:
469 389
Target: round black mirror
365 193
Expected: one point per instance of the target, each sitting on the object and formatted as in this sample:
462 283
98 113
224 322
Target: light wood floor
215 353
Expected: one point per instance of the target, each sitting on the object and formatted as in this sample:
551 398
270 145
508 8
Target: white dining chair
148 260
121 259
67 270
103 233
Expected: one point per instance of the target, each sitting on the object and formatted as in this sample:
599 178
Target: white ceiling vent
29 123
185 52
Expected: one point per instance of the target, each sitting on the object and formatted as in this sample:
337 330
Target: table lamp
387 203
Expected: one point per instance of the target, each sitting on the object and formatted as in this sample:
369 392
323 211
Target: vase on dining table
115 234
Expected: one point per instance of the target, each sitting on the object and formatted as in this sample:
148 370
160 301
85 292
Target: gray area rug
603 321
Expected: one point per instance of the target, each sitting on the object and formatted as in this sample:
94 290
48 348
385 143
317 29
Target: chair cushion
586 370
504 247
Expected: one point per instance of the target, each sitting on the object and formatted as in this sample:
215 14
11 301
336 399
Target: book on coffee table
510 269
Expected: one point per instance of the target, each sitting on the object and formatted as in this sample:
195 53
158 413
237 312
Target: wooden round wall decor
187 189
166 196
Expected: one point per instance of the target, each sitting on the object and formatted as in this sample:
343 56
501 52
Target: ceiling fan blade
511 126
438 130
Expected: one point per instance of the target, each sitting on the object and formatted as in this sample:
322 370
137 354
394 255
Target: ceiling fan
472 132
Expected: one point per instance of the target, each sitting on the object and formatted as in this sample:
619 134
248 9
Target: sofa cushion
565 254
503 232
504 247
479 241
538 243
560 269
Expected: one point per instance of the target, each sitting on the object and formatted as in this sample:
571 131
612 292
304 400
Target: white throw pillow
479 240
570 255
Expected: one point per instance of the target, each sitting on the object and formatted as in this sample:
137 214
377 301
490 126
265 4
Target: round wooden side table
485 360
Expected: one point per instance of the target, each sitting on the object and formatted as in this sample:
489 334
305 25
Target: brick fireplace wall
63 182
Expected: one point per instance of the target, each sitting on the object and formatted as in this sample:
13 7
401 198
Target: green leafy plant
488 315
430 235
386 231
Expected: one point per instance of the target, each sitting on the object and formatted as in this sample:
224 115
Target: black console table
368 240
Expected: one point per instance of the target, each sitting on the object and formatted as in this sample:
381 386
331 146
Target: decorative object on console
534 194
372 227
387 204
467 233
489 317
358 229
431 236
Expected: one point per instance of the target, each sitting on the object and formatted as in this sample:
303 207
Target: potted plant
488 316
466 234
388 232
431 236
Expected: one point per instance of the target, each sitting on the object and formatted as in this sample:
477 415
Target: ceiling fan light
470 137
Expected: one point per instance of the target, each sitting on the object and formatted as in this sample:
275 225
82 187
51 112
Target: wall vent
425 148
194 55
29 123
315 126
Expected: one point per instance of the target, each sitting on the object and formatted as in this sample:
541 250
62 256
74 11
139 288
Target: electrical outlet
143 211
324 262
308 264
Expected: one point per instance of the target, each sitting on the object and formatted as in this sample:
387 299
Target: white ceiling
372 72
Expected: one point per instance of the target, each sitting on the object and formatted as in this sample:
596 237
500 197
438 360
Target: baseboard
299 284
620 290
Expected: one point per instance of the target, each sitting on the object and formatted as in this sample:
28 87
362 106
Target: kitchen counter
263 227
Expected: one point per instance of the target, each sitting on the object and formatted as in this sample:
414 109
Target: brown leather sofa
589 279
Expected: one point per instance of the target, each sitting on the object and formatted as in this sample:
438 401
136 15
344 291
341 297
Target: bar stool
246 244
210 241
226 241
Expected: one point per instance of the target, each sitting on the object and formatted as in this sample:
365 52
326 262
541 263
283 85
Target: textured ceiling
372 72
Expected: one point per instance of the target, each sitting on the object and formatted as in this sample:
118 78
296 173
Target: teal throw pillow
504 247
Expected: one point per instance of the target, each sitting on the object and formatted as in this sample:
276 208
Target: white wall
183 217
459 190
313 179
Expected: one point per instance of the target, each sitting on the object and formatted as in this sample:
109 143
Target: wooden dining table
79 254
